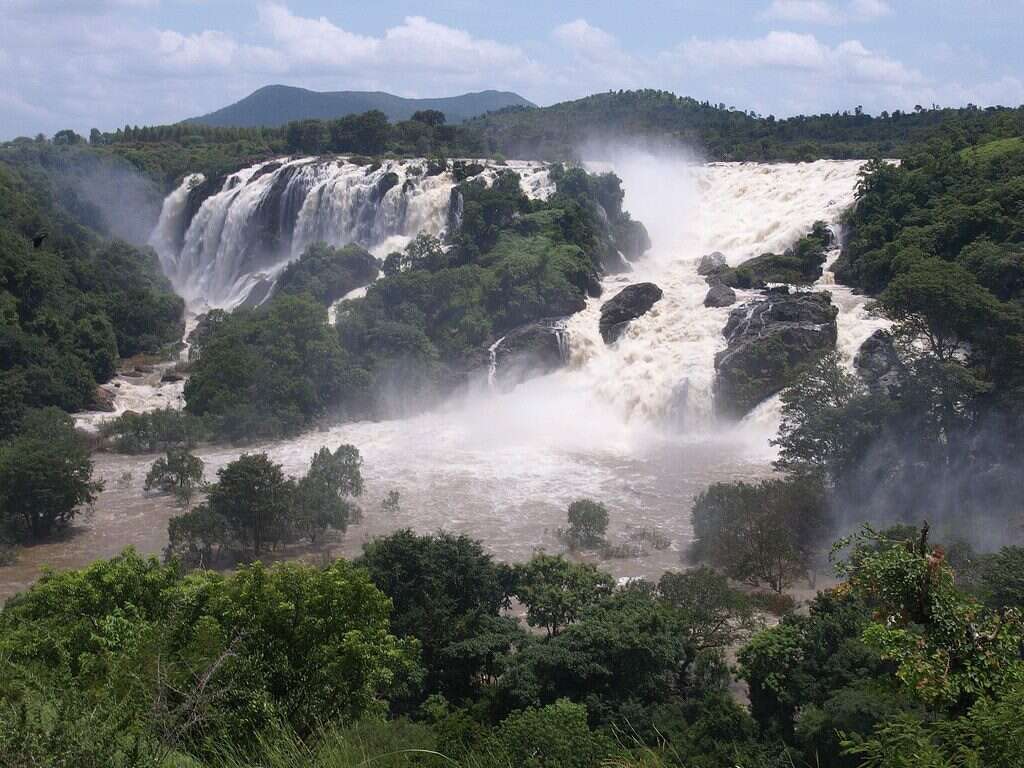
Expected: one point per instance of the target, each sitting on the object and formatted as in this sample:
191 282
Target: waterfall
663 365
262 217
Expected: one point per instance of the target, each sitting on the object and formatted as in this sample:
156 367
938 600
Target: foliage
162 429
322 496
327 273
210 657
715 614
45 475
555 590
447 593
70 308
270 373
588 521
763 533
799 265
178 472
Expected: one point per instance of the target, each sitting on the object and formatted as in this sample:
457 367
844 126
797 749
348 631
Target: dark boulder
771 341
878 364
711 263
102 400
720 295
627 305
632 239
531 350
259 293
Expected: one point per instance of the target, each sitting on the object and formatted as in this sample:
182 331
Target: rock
711 263
627 305
720 295
878 364
770 342
632 239
102 400
259 293
528 351
614 263
170 377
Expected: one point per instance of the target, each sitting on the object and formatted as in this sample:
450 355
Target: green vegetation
253 507
45 476
588 521
73 306
178 472
327 273
718 132
407 657
799 265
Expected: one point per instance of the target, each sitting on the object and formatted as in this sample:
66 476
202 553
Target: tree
178 472
323 496
45 474
766 532
715 614
431 117
588 521
447 592
254 498
555 590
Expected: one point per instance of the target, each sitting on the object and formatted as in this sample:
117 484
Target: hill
275 105
720 133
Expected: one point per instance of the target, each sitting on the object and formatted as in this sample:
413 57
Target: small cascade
492 368
243 234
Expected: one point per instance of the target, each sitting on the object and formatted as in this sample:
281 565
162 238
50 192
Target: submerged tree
323 498
588 521
178 472
45 474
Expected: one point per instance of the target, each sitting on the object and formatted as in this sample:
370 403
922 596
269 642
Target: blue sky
104 63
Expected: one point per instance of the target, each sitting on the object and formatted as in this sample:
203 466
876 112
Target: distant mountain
275 105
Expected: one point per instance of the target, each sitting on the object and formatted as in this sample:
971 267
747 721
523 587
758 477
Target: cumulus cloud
597 55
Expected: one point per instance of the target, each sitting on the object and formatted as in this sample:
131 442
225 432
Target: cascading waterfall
264 216
663 366
501 465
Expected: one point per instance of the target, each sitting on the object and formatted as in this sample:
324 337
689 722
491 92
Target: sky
106 63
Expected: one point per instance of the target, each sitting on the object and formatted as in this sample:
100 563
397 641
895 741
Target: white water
502 466
267 215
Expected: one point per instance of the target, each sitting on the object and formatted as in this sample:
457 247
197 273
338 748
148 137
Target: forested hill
73 298
725 133
275 105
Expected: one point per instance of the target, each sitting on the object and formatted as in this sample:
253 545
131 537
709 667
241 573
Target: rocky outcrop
632 239
719 295
711 263
799 265
102 400
528 351
627 305
770 342
878 364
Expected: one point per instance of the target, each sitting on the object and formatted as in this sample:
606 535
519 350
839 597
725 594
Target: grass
993 149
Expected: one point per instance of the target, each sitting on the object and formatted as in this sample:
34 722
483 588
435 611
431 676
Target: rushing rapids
627 423
227 247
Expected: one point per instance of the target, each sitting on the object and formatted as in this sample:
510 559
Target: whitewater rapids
627 424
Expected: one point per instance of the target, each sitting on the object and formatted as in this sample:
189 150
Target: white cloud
804 11
825 12
597 55
849 61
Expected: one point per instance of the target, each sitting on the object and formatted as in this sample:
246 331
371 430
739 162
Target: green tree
178 472
763 533
715 614
45 474
588 521
323 497
447 592
254 498
555 590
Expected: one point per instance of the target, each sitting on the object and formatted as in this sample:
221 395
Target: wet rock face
627 305
770 342
102 401
531 350
711 263
878 364
720 295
